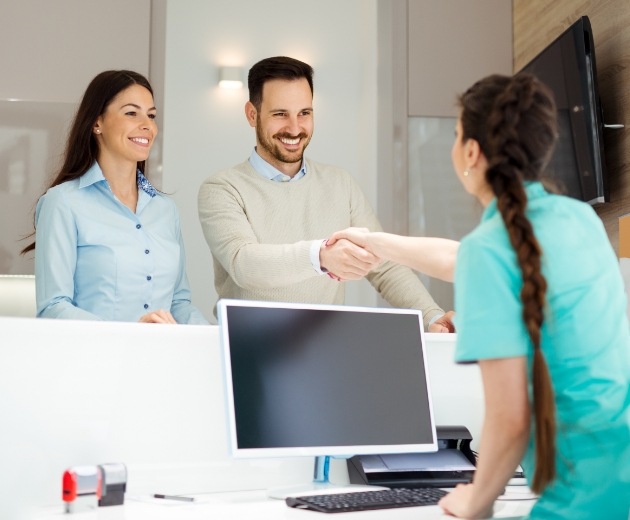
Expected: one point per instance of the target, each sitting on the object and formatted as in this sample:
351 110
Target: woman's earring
98 131
466 172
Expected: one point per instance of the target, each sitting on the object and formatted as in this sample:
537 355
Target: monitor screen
567 66
324 380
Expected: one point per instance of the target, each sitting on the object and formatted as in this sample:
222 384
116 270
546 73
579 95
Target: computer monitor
324 380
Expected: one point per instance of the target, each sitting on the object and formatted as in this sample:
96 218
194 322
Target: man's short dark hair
279 67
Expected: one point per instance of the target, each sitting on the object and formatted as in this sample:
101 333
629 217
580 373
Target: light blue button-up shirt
97 259
273 174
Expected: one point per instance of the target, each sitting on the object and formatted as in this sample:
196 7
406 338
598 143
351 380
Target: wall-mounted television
567 66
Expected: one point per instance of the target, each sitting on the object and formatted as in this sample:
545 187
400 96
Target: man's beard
275 150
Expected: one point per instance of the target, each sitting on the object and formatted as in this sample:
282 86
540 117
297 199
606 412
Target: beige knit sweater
260 232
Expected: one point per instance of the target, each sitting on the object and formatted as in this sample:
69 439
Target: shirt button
149 278
146 251
146 305
138 226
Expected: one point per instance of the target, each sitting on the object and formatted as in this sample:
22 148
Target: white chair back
17 295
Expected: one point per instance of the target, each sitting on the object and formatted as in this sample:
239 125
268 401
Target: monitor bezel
316 451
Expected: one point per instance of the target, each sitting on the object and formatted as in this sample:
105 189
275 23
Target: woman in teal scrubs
540 307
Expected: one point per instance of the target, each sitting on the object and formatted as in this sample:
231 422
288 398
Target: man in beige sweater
266 220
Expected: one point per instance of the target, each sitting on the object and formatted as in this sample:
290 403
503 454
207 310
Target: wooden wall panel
536 23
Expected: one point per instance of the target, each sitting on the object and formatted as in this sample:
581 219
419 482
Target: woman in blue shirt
540 306
109 245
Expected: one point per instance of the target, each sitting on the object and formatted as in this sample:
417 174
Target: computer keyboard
366 500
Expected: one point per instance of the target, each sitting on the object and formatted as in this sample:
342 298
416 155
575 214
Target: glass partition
32 137
438 204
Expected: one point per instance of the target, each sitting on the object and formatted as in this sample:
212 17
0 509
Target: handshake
346 255
352 253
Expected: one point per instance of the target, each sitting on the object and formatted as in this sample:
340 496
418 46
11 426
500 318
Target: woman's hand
358 236
460 503
160 316
432 256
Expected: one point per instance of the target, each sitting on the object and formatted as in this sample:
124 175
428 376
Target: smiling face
126 130
284 123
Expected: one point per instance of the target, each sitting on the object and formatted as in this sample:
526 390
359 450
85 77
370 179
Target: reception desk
152 397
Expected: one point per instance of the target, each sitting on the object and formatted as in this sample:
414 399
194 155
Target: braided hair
514 121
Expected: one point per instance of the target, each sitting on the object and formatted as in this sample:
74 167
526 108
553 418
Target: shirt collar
92 176
533 190
95 174
145 185
265 169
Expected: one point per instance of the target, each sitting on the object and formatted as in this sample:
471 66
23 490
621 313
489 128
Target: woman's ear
472 153
97 126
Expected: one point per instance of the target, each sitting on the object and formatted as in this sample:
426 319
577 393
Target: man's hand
160 316
443 324
346 261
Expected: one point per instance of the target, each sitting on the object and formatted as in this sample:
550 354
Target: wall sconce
231 77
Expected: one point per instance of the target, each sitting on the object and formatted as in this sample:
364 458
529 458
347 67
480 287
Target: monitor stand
319 485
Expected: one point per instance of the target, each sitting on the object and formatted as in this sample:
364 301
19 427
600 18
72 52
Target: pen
174 497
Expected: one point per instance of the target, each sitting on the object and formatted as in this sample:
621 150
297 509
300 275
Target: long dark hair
514 121
81 148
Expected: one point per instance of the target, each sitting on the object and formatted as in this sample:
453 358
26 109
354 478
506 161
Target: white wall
205 130
50 52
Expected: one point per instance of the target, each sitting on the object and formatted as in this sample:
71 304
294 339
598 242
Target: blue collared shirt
269 172
97 259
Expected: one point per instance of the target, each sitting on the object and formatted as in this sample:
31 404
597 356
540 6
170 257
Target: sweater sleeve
397 284
233 242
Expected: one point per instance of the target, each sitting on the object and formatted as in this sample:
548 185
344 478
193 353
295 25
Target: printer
453 463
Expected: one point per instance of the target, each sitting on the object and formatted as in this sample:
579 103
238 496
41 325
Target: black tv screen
567 66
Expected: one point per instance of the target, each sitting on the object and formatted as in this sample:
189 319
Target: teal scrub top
585 340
